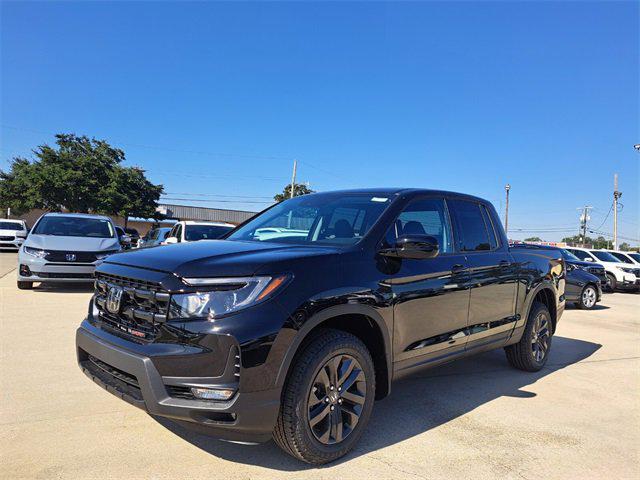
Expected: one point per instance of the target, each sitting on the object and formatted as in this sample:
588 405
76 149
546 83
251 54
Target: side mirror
171 240
417 247
588 259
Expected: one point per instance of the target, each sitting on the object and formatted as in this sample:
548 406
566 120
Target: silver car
12 233
65 247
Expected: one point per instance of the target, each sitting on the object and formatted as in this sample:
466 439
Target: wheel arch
545 294
363 322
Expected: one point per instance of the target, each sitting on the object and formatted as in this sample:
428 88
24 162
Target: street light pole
507 187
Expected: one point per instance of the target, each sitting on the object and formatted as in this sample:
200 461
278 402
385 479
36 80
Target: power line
215 201
217 195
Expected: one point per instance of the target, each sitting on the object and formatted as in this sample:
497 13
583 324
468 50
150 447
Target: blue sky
215 100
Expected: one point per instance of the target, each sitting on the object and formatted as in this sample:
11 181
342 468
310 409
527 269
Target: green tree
79 174
533 239
298 189
625 247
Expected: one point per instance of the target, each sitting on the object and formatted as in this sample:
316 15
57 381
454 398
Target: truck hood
72 244
217 258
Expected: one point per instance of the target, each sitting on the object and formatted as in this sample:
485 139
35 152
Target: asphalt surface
577 418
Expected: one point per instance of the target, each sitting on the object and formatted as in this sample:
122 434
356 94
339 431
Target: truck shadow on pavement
417 404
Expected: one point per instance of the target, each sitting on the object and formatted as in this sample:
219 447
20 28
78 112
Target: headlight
627 270
101 255
224 295
35 252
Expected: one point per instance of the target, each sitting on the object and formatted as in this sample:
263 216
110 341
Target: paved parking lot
578 418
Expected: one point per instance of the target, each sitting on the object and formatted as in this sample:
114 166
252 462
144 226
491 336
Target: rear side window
493 237
472 230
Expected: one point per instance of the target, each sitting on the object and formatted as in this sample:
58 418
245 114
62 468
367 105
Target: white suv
620 276
191 231
12 233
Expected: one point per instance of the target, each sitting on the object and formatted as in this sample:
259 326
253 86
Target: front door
431 296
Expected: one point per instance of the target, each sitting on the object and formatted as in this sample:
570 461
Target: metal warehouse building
184 212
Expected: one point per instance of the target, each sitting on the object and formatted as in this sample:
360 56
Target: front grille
143 306
7 239
597 271
71 257
123 382
64 275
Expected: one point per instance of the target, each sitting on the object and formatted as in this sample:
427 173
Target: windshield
567 255
204 232
11 226
605 257
635 256
74 227
622 257
326 219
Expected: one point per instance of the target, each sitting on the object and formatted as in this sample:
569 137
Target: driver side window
426 216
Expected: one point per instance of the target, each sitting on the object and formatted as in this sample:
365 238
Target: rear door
431 298
492 274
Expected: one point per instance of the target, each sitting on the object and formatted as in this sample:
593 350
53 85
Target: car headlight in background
101 255
627 270
35 252
224 295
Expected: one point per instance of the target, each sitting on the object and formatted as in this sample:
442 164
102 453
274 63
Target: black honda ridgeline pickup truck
292 325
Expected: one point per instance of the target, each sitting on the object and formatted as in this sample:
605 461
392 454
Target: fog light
25 271
212 393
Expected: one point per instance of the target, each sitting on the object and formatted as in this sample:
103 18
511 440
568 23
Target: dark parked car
584 280
133 234
294 336
154 237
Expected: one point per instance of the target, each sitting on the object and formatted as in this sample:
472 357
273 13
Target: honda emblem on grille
114 296
71 257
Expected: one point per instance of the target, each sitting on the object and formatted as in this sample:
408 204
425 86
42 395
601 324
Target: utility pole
584 218
616 196
293 179
507 187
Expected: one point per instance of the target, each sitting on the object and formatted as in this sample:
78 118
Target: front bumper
628 282
42 270
11 244
128 371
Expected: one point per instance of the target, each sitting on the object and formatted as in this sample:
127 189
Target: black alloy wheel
327 398
541 337
336 399
532 350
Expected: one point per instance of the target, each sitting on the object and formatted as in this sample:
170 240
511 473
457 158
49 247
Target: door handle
457 268
504 263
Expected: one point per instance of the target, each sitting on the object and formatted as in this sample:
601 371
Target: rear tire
25 285
327 398
531 352
612 283
588 298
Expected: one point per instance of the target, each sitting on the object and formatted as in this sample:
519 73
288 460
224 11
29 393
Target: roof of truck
402 191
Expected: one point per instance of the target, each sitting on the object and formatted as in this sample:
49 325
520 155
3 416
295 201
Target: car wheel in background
611 282
25 285
588 298
327 400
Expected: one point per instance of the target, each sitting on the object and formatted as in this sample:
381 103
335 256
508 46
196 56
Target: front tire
531 352
25 285
612 283
588 298
327 399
